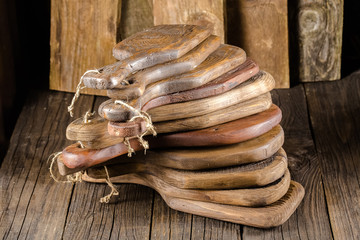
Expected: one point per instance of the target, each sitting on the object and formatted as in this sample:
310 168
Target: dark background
25 54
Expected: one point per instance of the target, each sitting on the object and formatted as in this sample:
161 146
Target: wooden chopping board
251 197
236 131
199 158
145 49
224 59
223 115
255 86
241 176
135 84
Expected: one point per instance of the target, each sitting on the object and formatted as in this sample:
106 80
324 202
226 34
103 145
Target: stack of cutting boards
218 150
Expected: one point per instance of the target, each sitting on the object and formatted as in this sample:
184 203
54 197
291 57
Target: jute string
72 178
77 93
149 127
114 191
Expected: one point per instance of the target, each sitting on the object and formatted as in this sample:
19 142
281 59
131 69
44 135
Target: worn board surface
337 139
260 27
203 12
83 34
33 206
320 25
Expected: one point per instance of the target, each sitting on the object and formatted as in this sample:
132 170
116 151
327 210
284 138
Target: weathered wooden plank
83 34
320 25
207 228
310 221
168 223
136 15
89 219
32 205
260 27
203 12
334 113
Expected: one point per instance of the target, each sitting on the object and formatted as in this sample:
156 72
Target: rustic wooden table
322 127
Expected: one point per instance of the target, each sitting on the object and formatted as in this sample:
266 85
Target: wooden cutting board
242 176
223 115
93 134
145 49
137 82
217 86
263 217
236 131
259 84
269 215
251 197
253 150
224 59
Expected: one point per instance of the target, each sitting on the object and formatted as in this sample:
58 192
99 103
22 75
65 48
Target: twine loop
149 127
77 93
72 178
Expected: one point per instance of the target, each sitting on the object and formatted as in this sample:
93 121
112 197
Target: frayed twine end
114 191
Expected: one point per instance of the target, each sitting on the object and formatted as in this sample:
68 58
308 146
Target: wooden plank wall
205 12
260 27
84 32
82 36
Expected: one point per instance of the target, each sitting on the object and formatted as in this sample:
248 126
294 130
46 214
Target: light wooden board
250 197
156 45
261 28
73 47
138 81
227 114
241 176
261 83
204 12
262 217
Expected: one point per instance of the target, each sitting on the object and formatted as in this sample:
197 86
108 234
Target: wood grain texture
240 130
242 176
93 134
224 59
336 128
227 114
260 84
136 16
72 50
205 13
138 81
250 197
320 27
32 206
217 86
141 214
148 48
261 28
262 217
311 220
253 150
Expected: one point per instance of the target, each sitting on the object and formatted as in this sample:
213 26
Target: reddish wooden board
232 132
